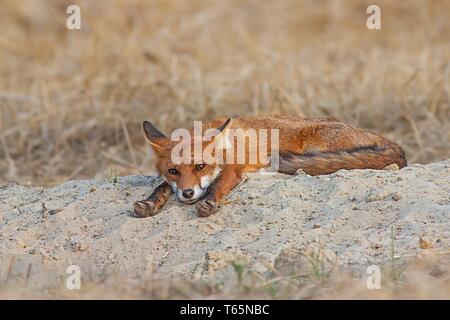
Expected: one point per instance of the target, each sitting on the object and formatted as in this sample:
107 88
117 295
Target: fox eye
199 166
173 171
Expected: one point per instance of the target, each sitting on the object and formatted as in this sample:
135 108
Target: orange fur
317 146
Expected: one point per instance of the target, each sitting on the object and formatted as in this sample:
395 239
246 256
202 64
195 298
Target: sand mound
267 223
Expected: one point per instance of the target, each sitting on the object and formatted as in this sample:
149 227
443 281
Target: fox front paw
206 208
144 209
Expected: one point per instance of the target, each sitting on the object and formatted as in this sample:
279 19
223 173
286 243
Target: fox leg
217 191
151 206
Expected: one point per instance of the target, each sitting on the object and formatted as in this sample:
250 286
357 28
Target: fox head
189 181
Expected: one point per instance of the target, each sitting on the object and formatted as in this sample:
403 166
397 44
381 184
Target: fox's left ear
222 139
157 139
226 125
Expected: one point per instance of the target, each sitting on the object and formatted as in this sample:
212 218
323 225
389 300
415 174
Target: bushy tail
368 157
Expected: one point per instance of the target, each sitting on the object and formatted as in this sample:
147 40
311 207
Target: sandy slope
267 223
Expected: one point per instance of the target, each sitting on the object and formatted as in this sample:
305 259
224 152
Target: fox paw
206 208
144 209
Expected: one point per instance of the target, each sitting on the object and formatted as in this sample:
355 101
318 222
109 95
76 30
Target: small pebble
378 194
425 243
396 196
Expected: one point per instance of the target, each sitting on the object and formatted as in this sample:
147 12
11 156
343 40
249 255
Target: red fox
316 146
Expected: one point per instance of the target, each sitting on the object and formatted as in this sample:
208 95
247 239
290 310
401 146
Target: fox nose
188 193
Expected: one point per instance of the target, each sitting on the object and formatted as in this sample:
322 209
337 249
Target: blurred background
72 101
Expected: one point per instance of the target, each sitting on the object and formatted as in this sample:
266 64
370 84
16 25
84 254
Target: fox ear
225 125
157 139
222 139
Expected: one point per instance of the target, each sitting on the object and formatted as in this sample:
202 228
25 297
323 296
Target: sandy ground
267 222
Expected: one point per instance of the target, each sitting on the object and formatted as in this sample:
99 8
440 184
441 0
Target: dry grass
425 276
71 102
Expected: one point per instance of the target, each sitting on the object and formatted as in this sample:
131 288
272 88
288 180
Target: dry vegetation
71 102
425 276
